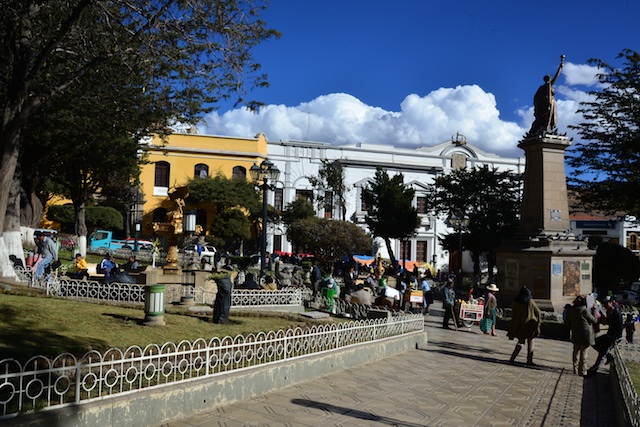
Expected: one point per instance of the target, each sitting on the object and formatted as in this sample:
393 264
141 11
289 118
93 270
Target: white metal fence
42 383
91 290
631 404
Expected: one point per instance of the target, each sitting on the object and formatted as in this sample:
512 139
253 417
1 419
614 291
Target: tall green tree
328 239
390 214
219 193
490 199
298 209
612 265
606 166
330 183
225 199
192 54
233 227
90 134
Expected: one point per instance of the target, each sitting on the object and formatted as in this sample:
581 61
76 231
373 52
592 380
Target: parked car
627 297
105 239
66 241
205 250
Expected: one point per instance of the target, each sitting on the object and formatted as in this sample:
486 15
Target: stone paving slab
461 378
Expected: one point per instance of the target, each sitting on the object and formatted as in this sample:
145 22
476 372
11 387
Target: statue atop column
544 106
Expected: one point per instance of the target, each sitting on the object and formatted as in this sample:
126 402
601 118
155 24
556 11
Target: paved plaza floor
461 378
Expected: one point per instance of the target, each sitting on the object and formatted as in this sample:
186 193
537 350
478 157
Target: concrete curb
153 407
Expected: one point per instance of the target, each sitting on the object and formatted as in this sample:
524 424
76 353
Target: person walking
580 320
427 294
491 306
525 323
449 299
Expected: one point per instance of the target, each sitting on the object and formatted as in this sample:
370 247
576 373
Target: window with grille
239 172
328 204
421 205
421 251
200 171
278 199
305 194
162 174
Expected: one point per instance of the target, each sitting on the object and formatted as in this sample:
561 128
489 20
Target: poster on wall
571 278
511 269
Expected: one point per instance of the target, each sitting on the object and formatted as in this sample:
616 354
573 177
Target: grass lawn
38 325
634 373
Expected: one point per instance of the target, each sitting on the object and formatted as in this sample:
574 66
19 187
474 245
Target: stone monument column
544 255
545 206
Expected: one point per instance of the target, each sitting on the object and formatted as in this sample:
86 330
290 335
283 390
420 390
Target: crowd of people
582 318
367 285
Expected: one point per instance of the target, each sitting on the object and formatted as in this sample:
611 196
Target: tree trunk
491 263
10 141
392 258
475 257
11 230
30 209
81 224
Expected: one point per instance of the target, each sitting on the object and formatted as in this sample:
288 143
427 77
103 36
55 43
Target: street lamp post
136 216
267 174
459 221
136 236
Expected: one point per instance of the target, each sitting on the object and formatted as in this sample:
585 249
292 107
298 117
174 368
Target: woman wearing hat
490 306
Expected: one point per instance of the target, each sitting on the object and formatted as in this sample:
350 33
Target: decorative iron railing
91 290
42 384
239 297
631 405
629 352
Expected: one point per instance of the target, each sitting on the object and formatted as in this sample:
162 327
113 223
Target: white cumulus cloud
580 74
341 119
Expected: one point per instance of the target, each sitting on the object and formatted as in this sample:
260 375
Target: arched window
201 171
161 180
239 172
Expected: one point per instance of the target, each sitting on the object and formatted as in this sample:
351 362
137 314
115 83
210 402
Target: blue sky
414 72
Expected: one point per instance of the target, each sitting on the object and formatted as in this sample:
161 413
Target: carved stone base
554 269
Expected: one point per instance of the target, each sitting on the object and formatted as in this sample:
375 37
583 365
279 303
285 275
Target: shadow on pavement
479 358
361 415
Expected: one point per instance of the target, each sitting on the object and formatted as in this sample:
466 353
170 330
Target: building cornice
203 151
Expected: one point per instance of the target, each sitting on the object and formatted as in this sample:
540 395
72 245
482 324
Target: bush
95 216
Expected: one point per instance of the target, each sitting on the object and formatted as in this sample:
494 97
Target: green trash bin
154 305
329 290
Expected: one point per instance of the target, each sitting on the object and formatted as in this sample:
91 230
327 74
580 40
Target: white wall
297 160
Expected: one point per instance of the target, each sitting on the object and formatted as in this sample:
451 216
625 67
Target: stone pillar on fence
154 305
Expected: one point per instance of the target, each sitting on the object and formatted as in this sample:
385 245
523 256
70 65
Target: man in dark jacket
604 343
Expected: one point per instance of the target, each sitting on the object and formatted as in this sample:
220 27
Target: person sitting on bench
605 343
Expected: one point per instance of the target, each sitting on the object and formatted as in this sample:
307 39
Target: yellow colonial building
172 161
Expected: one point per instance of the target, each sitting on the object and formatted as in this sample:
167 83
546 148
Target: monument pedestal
555 268
544 255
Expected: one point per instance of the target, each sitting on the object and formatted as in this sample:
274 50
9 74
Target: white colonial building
299 160
623 231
